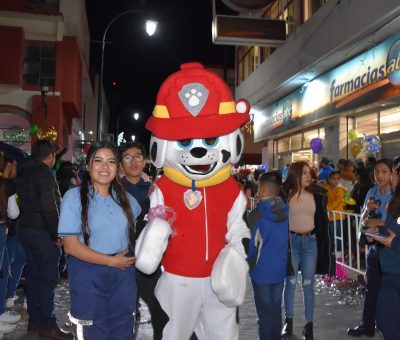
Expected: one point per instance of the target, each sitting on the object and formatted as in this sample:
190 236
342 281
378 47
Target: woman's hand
372 230
121 261
387 241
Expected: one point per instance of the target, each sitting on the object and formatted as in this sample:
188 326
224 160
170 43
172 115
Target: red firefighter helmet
196 103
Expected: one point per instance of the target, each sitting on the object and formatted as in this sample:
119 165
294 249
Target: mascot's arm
153 240
228 276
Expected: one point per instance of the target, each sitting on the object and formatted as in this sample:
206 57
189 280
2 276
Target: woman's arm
74 247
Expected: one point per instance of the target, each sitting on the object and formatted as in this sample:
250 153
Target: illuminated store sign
372 72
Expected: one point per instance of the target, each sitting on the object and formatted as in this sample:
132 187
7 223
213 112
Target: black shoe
287 329
308 331
360 331
55 334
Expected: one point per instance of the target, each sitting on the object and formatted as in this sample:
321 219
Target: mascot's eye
185 143
210 141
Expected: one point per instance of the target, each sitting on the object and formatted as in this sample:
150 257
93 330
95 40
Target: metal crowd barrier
349 226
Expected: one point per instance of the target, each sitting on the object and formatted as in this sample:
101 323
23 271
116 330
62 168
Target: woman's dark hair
384 161
115 190
293 180
394 203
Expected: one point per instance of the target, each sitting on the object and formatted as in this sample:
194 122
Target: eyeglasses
137 157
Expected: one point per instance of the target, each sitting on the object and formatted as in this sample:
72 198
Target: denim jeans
268 300
304 257
4 263
17 258
41 275
388 308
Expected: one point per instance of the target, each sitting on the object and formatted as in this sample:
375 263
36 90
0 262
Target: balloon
33 130
47 133
355 149
371 144
316 145
353 134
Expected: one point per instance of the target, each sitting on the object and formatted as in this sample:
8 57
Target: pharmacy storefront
361 94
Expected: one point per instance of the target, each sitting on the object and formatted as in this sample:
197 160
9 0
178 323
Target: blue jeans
4 263
304 257
268 299
388 307
41 275
17 258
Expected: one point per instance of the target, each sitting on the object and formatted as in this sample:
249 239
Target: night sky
137 63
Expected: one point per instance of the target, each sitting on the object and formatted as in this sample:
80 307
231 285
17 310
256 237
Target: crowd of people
293 230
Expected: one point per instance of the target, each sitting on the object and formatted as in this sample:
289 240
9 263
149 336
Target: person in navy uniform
97 224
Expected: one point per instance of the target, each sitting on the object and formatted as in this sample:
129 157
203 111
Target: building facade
338 70
44 69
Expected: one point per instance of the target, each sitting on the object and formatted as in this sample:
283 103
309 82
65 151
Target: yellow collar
179 178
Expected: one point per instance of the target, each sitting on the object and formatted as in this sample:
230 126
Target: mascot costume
196 137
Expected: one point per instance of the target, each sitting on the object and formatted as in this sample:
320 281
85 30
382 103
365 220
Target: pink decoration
161 211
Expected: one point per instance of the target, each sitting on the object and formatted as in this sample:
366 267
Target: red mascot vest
198 234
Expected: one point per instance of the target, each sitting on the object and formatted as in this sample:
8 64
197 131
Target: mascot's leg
181 298
217 321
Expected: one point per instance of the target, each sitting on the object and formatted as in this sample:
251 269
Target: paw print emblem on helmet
193 97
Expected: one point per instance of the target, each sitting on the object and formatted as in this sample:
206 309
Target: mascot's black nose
198 152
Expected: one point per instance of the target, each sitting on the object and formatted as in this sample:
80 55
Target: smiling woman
100 241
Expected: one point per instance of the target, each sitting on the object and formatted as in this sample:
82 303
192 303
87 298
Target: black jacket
36 189
326 259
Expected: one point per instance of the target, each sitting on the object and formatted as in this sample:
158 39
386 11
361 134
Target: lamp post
151 27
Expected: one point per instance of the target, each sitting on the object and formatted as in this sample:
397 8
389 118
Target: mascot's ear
236 145
158 149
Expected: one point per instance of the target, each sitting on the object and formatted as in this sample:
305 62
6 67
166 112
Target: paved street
333 315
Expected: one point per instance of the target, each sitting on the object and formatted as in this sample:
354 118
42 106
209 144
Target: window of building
39 65
367 124
283 145
44 5
296 142
389 120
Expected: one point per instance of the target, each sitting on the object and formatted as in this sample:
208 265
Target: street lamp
151 27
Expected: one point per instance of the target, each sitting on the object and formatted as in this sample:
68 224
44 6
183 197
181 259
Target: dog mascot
196 137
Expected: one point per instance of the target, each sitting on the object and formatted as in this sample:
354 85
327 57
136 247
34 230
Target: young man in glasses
133 160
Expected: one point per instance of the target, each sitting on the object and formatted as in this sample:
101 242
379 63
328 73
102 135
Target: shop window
39 65
308 136
284 145
296 142
368 124
389 121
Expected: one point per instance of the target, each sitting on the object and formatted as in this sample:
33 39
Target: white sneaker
8 317
6 328
10 303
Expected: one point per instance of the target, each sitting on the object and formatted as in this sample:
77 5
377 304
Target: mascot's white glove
228 277
229 273
151 244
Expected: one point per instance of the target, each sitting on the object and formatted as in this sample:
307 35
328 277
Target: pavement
335 311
